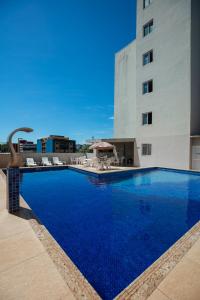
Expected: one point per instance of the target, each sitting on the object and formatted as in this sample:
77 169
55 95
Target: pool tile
182 283
2 191
35 279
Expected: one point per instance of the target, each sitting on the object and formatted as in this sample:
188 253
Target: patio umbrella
101 146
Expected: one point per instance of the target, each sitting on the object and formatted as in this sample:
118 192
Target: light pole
13 173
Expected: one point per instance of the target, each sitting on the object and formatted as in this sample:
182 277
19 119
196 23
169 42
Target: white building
157 85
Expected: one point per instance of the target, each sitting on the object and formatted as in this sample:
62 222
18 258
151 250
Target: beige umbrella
101 146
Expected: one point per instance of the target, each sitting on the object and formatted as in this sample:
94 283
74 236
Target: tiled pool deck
33 266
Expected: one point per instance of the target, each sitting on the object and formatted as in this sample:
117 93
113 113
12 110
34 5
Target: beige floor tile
11 225
183 282
158 295
18 248
194 253
35 279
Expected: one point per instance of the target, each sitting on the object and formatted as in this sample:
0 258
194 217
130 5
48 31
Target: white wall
170 71
167 151
5 157
125 92
170 102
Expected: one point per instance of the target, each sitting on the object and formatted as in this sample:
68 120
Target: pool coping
81 168
85 170
141 288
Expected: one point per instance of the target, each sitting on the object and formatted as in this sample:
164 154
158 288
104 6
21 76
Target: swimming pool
114 226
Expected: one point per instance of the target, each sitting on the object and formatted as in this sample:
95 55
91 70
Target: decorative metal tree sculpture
13 174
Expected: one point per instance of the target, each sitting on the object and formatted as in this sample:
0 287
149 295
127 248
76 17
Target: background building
157 91
21 146
57 144
26 146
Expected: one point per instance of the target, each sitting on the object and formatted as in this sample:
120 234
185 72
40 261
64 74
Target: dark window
146 149
147 87
148 57
147 118
150 118
146 3
148 28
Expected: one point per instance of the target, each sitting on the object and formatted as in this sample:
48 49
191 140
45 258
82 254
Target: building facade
56 144
26 146
20 146
157 90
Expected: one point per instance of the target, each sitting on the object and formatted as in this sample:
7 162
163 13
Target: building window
147 118
147 87
148 28
148 57
146 3
146 149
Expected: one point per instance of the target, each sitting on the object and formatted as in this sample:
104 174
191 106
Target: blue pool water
113 227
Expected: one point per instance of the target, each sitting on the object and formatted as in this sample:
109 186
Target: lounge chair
46 162
72 160
57 162
81 160
115 161
30 162
94 163
77 161
86 162
107 164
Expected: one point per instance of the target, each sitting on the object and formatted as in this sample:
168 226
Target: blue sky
57 65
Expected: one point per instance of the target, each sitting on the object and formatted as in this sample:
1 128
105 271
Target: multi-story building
26 146
56 144
21 146
157 85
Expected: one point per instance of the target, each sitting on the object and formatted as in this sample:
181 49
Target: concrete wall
167 151
62 156
125 92
170 101
4 157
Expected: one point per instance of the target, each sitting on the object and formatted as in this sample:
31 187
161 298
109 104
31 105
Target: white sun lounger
30 162
46 162
57 162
